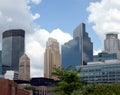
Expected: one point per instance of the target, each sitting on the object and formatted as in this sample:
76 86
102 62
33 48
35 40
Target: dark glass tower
79 50
12 49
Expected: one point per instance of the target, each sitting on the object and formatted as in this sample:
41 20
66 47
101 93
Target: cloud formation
36 1
16 14
36 16
105 15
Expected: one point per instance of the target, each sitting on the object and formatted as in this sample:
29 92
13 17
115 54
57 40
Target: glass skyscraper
104 56
79 50
12 49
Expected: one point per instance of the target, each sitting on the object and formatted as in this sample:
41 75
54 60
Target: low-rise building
97 72
38 85
10 74
9 87
43 86
104 56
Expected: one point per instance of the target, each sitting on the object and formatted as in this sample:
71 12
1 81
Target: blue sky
66 15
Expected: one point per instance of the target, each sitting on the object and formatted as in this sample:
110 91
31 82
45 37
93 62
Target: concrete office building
24 68
51 57
11 75
112 44
79 50
12 49
101 72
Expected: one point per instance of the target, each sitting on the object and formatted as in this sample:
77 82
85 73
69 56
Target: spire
24 57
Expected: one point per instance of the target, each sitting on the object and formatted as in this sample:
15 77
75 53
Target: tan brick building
24 68
51 57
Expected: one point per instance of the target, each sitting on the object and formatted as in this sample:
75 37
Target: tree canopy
69 81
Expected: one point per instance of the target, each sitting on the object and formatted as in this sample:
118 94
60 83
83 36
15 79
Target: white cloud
0 13
9 19
61 36
17 14
105 15
36 16
36 1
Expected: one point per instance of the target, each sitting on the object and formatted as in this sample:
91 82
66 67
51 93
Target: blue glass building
79 50
12 49
104 56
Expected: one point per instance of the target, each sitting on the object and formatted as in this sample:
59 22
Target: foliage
68 83
30 88
103 89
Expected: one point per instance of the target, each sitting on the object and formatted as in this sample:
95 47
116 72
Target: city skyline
44 18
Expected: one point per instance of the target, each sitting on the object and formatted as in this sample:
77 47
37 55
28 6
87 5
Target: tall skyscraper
12 49
24 68
112 44
79 50
51 57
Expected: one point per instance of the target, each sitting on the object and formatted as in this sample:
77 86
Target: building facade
24 68
105 56
9 87
43 85
12 48
41 90
101 72
1 62
11 75
112 44
79 50
52 57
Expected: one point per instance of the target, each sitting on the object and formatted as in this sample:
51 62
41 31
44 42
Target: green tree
103 89
69 81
